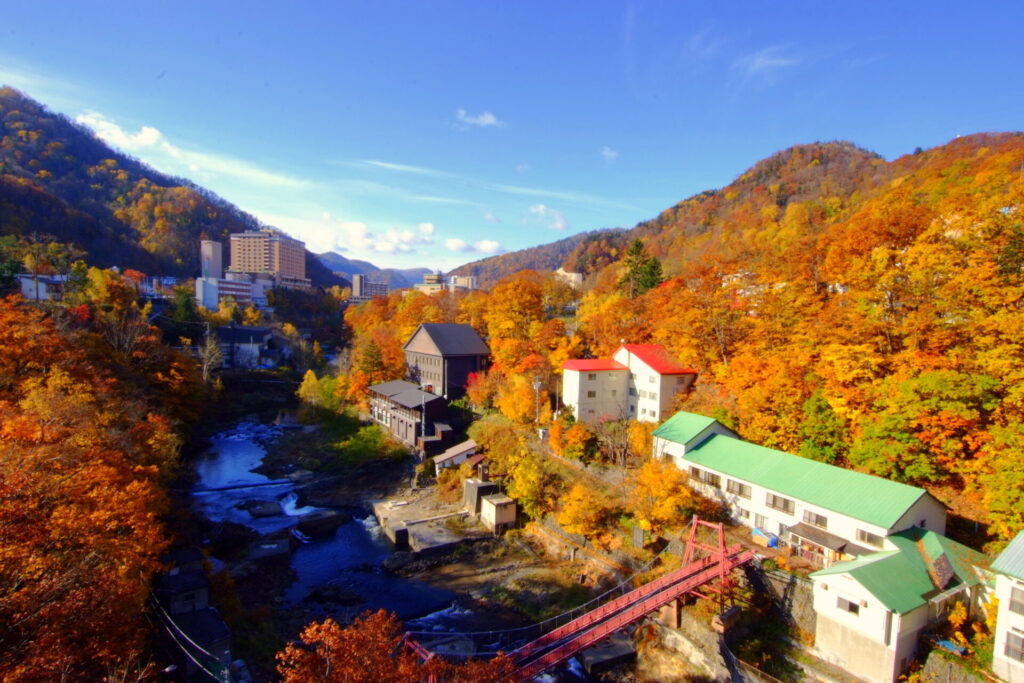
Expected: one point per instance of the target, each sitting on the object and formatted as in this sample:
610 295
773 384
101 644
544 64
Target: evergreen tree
643 271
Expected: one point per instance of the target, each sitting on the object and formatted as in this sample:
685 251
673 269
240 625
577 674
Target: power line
178 629
189 654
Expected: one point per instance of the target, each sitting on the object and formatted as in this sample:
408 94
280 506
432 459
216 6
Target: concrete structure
498 512
432 284
1008 656
574 280
456 455
408 413
473 493
272 253
824 513
463 283
871 611
42 287
211 260
364 290
441 356
639 382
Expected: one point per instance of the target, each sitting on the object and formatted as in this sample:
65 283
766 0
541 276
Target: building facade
364 290
870 612
824 513
211 259
270 252
639 382
440 357
406 412
1008 655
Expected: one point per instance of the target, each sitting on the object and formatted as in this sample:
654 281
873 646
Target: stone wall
698 645
940 669
793 596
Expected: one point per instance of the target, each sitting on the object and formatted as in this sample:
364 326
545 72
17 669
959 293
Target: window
1017 600
681 379
742 514
654 396
652 380
632 391
705 477
759 521
814 519
869 538
1015 646
643 394
591 394
591 376
779 503
740 489
615 392
851 607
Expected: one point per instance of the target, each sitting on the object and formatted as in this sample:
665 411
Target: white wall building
825 513
871 611
640 382
1008 656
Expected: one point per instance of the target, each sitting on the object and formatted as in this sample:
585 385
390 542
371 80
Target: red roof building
640 382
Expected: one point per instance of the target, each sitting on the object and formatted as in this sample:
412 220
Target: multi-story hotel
266 251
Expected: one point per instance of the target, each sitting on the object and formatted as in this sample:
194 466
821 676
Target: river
349 559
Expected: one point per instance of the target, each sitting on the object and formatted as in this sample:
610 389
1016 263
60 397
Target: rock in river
262 508
335 594
322 523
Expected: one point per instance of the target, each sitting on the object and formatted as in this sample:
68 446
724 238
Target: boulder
336 595
322 523
301 476
262 508
398 560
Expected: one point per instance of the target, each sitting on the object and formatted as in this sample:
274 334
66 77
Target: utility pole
536 391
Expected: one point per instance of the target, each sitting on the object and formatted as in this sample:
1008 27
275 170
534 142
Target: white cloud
427 228
763 66
483 120
150 145
553 218
481 247
490 217
488 247
609 154
406 168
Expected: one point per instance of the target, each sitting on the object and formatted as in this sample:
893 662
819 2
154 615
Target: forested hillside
861 312
57 178
543 257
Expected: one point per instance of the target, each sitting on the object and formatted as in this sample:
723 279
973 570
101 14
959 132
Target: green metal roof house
871 611
825 513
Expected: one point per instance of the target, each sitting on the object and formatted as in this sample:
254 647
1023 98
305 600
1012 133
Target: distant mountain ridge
542 257
58 178
395 278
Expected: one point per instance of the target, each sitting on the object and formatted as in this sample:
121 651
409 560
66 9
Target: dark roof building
440 357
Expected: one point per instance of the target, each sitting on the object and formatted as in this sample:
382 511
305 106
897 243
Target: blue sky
432 133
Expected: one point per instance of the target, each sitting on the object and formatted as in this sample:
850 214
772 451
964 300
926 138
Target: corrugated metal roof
452 339
658 359
861 496
1011 560
593 364
683 427
393 388
900 579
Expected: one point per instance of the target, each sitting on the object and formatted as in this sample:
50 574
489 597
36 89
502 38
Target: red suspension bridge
707 565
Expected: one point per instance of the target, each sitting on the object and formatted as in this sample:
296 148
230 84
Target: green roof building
1008 655
871 610
825 513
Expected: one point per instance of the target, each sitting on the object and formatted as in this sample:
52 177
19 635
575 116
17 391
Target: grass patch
540 599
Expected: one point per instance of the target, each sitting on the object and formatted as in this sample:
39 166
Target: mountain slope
395 278
57 178
543 257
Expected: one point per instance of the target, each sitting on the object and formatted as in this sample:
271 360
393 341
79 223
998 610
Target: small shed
456 455
473 491
498 512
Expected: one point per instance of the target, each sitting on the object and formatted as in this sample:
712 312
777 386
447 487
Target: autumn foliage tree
371 650
86 438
